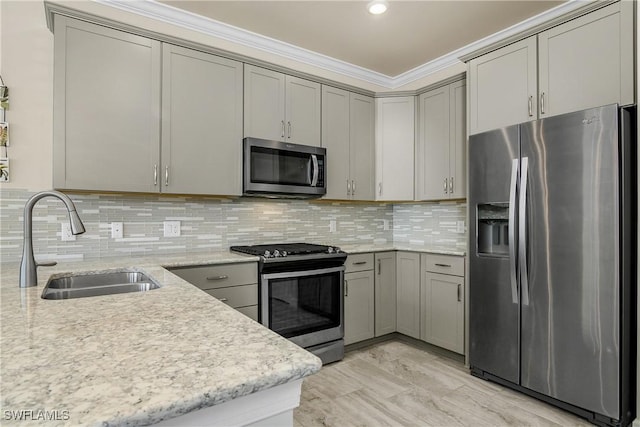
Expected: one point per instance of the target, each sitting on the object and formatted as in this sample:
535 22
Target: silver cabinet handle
380 189
445 186
46 263
512 233
346 288
217 277
224 299
443 265
379 267
451 185
542 103
282 122
459 294
531 106
360 263
522 232
166 176
155 174
314 178
353 188
348 188
289 131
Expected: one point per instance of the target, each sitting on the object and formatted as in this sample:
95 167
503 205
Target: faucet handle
46 264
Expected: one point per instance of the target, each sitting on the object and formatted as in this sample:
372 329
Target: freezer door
493 291
570 276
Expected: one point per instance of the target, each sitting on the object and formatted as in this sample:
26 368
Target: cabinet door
458 140
443 311
302 110
433 145
362 148
503 87
385 293
586 62
263 103
408 294
107 108
395 137
335 138
358 306
201 123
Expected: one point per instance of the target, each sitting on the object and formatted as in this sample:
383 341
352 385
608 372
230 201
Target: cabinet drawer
359 262
219 276
445 264
251 311
236 296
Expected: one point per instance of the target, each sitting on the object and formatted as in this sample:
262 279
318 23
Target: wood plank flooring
394 383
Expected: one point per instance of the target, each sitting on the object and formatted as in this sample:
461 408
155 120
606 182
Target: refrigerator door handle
522 232
512 233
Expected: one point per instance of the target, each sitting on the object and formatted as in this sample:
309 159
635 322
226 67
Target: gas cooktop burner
281 250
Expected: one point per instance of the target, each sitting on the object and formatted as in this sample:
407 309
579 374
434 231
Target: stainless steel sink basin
96 284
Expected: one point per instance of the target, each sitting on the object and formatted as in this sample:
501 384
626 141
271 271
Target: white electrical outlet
460 227
171 228
385 224
117 230
66 234
332 226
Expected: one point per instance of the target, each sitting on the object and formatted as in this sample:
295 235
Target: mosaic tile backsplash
215 224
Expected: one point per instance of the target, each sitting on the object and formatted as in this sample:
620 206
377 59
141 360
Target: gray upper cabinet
201 123
348 136
503 87
106 108
280 107
585 62
441 147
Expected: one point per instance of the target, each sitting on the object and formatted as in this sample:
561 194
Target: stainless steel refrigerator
551 273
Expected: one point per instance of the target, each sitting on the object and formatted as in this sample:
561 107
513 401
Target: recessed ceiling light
377 7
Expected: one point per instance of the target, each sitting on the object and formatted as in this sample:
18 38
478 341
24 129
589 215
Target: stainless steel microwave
281 169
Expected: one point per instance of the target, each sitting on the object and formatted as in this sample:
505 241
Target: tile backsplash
216 224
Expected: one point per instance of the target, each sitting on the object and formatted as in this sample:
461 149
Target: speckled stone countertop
383 247
138 358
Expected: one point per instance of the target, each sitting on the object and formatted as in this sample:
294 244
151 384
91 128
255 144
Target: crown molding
165 13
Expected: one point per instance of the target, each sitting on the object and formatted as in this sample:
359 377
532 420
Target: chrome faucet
28 266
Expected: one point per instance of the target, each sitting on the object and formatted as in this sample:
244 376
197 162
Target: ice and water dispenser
493 228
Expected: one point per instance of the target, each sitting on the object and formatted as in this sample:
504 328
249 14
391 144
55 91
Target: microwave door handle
314 180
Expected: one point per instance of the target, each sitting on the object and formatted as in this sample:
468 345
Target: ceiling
409 34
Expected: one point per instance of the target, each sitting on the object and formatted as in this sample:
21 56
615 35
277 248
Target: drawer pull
217 277
360 263
443 265
224 299
459 294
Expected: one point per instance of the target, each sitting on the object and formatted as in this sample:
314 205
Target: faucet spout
28 266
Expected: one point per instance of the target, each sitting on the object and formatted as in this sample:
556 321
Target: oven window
270 166
298 306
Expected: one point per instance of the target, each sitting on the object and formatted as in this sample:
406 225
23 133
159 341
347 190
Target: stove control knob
276 253
338 250
284 253
330 249
267 254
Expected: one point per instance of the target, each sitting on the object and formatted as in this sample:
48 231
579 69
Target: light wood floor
396 384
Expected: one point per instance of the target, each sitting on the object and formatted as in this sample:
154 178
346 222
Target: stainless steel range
301 289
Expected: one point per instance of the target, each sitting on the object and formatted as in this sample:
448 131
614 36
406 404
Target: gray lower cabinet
348 136
106 108
385 293
201 123
359 298
408 293
234 284
442 301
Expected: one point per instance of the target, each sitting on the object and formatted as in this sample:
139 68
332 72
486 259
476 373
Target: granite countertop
138 358
399 246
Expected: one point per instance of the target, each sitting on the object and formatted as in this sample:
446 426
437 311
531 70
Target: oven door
304 306
283 168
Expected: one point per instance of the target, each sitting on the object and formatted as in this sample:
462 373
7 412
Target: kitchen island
142 358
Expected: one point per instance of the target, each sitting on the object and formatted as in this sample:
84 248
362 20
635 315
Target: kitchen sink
96 284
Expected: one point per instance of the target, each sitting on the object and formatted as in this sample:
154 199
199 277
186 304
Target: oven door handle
314 179
304 273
